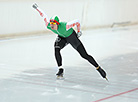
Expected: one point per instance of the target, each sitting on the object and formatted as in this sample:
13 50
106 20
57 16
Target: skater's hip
72 39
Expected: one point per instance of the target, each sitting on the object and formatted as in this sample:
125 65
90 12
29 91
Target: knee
57 49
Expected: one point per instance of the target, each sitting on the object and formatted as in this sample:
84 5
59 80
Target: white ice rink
28 68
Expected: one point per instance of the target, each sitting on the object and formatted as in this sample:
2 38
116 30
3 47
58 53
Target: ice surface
28 68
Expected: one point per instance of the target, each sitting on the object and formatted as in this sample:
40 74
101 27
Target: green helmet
55 19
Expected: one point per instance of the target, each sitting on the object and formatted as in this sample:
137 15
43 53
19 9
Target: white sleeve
44 15
72 24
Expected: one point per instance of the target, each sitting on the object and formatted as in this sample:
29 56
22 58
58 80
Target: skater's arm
42 14
72 24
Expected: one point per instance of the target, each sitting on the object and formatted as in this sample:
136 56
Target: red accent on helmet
52 20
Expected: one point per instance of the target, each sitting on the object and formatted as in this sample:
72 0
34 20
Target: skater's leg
59 62
86 56
58 57
60 43
76 43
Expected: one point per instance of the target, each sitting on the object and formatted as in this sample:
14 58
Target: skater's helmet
55 19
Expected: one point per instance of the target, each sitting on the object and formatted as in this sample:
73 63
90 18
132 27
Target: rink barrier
120 24
23 34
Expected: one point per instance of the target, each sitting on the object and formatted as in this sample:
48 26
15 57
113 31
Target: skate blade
60 77
107 79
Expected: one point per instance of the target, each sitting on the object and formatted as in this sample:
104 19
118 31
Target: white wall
19 16
106 12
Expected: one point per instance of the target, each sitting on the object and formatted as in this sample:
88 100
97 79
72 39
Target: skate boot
60 73
102 72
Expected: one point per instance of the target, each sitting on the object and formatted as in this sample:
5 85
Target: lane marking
116 95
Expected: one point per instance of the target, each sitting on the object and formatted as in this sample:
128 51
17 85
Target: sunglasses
53 23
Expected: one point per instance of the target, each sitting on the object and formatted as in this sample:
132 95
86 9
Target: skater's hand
35 6
79 34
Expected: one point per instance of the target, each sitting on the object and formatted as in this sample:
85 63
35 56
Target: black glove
79 34
35 6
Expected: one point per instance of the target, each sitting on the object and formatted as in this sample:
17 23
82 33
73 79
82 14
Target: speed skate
60 74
